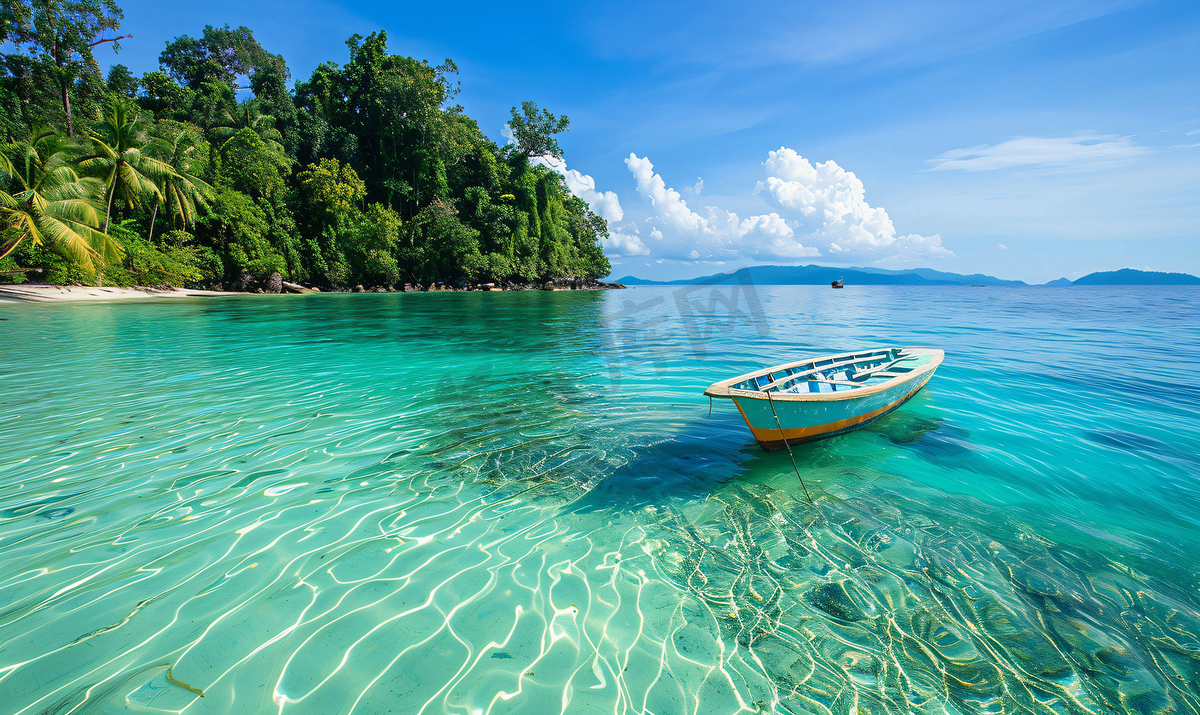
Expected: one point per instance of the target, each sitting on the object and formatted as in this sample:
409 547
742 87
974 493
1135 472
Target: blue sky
1023 140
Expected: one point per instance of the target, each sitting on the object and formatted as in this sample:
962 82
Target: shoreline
46 293
43 293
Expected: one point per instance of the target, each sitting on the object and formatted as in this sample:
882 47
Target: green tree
214 104
370 246
248 164
221 54
382 114
240 231
117 158
333 190
250 116
534 133
162 97
437 246
214 66
173 260
59 35
52 205
121 81
182 188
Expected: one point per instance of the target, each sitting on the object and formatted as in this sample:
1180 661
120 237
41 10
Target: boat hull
823 397
811 421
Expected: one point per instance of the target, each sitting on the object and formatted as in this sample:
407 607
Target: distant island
824 275
1131 277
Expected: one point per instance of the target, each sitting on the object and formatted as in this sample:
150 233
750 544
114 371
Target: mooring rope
785 444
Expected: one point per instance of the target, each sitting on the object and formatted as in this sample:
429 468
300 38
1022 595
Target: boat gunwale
723 389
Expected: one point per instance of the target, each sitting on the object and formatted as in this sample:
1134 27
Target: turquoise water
518 502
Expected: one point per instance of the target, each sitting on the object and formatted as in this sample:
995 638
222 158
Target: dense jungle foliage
211 169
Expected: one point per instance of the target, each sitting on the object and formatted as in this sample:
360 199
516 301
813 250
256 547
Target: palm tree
251 116
182 188
118 160
52 204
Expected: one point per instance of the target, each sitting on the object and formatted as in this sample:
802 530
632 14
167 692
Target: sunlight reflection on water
518 503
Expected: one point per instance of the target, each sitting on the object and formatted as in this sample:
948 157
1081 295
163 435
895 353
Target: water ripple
518 503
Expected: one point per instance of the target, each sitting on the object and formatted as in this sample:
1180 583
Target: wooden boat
821 397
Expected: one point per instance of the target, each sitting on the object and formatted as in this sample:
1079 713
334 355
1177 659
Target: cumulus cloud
624 244
625 240
1081 151
682 233
827 205
605 204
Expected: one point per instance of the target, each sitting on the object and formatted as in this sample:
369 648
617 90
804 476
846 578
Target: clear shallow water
519 503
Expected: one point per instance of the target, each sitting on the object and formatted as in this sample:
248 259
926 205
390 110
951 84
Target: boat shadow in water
694 467
685 467
936 439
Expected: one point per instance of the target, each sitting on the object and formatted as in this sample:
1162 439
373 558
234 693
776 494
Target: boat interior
838 373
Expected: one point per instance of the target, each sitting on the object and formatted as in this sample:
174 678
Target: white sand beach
40 293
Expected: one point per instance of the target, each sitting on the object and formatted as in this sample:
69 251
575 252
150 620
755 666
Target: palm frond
55 177
109 249
27 225
154 167
147 187
75 210
86 190
64 237
95 163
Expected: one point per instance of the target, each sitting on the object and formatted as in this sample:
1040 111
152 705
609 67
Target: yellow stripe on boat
820 397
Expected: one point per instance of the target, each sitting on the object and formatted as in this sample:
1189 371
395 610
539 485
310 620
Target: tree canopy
534 133
211 169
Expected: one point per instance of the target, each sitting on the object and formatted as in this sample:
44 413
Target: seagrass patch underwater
519 503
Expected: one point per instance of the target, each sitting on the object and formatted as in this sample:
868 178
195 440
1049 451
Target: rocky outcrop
576 283
568 283
295 288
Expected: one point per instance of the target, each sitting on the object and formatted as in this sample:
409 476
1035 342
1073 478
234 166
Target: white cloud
827 205
695 190
1192 133
1001 245
1081 151
625 240
624 244
604 204
682 233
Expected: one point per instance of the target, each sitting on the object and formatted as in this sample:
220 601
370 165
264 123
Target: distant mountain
975 279
1133 277
824 275
1059 282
